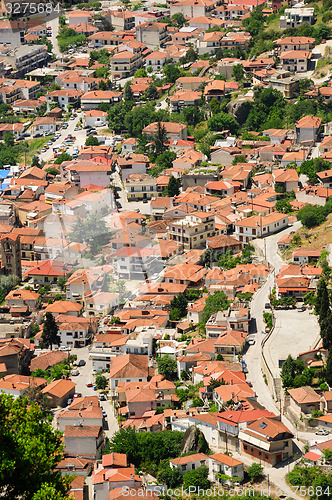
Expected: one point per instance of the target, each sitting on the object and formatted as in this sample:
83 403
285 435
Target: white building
96 118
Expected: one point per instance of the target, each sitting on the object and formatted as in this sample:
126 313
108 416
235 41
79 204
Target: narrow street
79 134
268 247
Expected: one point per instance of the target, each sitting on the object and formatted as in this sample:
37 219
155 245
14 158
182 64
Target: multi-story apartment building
125 63
193 230
152 34
140 187
295 16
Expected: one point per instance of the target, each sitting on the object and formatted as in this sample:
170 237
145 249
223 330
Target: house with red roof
267 440
47 272
190 462
220 463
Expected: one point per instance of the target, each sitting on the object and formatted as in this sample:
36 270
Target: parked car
251 341
102 397
94 387
69 401
89 384
75 373
301 308
81 362
64 348
104 413
77 395
267 305
322 432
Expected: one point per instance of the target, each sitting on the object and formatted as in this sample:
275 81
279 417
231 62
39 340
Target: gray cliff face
193 440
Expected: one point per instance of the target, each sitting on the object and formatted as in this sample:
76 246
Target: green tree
50 331
171 72
222 121
167 475
141 73
179 19
178 307
49 492
173 187
159 139
52 171
127 92
197 478
328 368
322 306
167 366
214 303
101 382
30 449
290 371
192 115
326 330
311 216
184 375
254 472
9 139
92 141
146 447
151 92
92 231
238 72
284 206
63 157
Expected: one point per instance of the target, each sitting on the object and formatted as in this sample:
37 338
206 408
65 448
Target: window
245 447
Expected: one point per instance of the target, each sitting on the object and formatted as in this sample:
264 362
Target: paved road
86 376
79 134
252 357
144 208
54 24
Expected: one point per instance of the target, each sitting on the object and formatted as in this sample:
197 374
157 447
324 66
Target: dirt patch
319 236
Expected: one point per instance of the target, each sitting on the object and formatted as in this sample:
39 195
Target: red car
89 384
77 395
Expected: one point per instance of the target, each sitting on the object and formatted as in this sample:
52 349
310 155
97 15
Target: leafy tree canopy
30 449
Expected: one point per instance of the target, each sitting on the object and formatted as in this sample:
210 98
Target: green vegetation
146 449
197 478
30 449
91 231
310 168
268 319
255 472
312 479
55 373
167 366
7 283
168 475
295 374
178 307
214 303
173 188
68 38
92 141
50 331
101 382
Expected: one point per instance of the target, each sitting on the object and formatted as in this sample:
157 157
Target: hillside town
166 249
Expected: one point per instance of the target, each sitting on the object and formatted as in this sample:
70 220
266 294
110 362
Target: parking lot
294 332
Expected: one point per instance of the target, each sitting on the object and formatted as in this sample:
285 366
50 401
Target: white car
251 341
64 348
